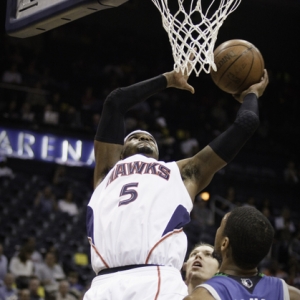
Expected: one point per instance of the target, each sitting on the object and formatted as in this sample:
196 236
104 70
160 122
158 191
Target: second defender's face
201 264
140 143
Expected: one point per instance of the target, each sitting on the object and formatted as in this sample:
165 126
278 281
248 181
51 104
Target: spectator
46 79
67 205
228 205
22 267
56 102
50 273
64 291
60 178
231 195
266 203
281 248
45 200
8 291
73 280
251 201
50 116
266 212
219 115
12 111
290 173
36 256
37 98
71 117
24 294
12 75
202 212
294 247
3 265
189 146
31 75
5 171
284 221
26 114
88 99
275 270
34 289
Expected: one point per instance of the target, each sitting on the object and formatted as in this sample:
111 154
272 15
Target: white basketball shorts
143 283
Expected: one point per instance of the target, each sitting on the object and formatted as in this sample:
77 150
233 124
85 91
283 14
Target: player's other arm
294 293
198 171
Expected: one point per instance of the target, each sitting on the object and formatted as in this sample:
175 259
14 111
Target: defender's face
140 143
201 264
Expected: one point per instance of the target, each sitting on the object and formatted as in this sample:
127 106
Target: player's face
140 143
201 265
219 236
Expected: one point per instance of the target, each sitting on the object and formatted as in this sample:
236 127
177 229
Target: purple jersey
259 287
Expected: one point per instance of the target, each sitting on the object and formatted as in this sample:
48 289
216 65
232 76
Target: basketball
239 65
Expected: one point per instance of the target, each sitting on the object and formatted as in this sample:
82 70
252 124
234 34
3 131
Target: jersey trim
286 294
158 283
161 240
211 290
102 259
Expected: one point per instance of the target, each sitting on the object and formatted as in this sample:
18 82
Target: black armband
229 143
111 128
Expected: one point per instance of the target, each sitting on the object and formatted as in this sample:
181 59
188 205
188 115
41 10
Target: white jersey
136 215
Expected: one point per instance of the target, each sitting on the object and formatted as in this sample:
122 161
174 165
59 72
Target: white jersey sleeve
136 215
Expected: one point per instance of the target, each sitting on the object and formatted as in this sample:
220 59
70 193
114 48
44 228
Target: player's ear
225 243
183 267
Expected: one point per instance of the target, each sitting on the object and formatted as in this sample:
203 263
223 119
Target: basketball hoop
193 30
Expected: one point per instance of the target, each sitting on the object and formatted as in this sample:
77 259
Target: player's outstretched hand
179 81
257 88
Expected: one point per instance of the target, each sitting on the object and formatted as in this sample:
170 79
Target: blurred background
52 91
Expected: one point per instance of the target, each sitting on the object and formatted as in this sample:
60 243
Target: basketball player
243 239
140 204
200 266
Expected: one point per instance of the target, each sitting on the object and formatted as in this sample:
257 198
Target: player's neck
232 269
193 282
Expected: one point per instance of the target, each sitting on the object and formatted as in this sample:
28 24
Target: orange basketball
239 65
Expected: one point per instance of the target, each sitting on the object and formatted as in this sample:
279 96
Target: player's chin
146 150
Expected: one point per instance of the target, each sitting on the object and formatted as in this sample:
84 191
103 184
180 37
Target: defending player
243 239
200 266
139 205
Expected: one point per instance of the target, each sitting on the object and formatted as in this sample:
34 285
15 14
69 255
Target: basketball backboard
25 18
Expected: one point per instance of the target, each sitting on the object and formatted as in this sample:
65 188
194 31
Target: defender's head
140 142
246 235
201 264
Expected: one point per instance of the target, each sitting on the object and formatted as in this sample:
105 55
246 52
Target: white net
192 27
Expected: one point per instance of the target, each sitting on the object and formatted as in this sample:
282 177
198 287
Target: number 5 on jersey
127 189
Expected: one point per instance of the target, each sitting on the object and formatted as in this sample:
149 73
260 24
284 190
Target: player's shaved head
250 236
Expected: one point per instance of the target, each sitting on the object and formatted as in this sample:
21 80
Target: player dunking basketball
140 204
243 239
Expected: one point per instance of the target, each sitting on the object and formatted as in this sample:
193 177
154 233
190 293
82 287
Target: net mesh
192 27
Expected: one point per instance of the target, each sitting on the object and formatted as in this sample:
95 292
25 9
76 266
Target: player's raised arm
198 170
110 134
